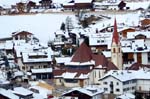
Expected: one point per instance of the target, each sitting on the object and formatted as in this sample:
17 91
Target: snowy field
42 26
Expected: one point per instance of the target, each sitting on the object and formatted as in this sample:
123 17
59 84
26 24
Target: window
119 50
45 66
133 88
117 90
102 41
71 80
105 83
105 89
114 50
98 41
99 74
124 89
117 83
149 57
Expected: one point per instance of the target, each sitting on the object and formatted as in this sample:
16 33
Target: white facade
126 81
143 85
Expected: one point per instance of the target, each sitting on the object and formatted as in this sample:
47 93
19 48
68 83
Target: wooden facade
83 5
23 35
125 31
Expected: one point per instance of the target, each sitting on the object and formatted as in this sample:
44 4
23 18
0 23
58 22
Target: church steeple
116 53
115 38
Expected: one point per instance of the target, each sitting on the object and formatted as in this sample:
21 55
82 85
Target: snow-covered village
74 49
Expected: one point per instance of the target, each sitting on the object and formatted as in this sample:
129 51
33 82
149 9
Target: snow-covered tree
69 24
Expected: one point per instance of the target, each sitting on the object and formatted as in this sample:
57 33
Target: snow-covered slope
42 25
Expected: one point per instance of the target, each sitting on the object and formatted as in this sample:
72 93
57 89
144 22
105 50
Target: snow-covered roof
42 70
88 90
107 53
8 94
131 35
45 52
125 75
136 5
100 39
126 96
22 91
3 78
68 75
137 45
83 76
63 59
7 45
80 64
83 1
18 73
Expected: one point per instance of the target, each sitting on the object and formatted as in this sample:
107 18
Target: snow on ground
130 19
136 5
42 26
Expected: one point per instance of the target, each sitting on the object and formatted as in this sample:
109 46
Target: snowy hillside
42 25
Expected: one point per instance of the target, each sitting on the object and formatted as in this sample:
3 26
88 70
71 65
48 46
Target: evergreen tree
63 26
85 23
69 24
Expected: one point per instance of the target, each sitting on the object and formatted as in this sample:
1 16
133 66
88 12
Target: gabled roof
82 54
90 91
21 32
111 66
137 66
101 60
8 94
115 34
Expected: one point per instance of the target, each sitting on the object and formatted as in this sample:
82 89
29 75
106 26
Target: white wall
97 74
144 58
116 86
144 84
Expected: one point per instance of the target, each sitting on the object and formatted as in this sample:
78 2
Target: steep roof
99 60
115 33
82 54
102 60
137 66
111 66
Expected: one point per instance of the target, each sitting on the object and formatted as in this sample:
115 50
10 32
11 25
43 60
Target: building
83 93
116 52
7 94
22 92
126 81
23 35
84 68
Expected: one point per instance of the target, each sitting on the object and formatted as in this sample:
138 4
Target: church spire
115 38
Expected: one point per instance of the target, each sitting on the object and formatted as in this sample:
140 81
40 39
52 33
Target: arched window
119 50
114 50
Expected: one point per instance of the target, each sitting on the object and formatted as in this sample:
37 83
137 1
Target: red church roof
82 54
115 34
102 60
